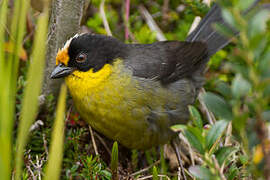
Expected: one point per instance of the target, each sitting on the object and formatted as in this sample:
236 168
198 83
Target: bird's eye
81 58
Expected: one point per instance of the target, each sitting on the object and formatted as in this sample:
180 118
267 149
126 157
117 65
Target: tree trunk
65 20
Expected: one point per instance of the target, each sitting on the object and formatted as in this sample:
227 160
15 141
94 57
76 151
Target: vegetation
226 138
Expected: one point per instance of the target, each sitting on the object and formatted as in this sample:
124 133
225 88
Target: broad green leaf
224 89
223 153
215 133
201 172
228 17
239 67
264 63
240 86
195 138
217 105
244 4
53 168
266 115
258 22
196 116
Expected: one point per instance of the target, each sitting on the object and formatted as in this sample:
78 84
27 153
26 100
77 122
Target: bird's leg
177 152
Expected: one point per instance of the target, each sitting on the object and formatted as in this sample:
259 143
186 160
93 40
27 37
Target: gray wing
166 61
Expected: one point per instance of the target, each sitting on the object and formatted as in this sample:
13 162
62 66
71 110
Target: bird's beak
61 71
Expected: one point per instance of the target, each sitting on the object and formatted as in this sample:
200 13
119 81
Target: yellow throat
88 81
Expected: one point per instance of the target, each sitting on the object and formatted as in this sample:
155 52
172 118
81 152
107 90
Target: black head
88 51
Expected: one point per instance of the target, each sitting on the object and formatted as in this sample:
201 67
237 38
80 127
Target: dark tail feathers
205 31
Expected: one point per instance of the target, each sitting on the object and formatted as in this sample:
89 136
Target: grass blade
5 118
53 168
155 173
114 161
32 90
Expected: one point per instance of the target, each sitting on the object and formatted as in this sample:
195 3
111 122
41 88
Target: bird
134 93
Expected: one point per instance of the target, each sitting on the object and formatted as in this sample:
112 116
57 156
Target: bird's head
86 52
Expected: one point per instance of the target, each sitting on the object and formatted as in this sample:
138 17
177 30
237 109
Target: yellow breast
115 104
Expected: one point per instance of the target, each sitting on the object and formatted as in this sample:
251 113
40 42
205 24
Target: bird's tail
205 31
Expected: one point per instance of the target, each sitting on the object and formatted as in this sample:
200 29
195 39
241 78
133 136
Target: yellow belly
120 107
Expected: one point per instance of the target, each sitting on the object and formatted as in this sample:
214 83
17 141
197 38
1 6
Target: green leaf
223 153
223 88
244 159
178 127
215 133
228 17
266 115
264 63
240 86
196 116
217 105
200 172
244 4
258 22
195 138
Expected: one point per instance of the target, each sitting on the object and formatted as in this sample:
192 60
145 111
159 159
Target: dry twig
103 143
183 138
218 168
145 169
228 134
68 113
207 2
126 19
104 19
194 24
210 116
45 145
36 125
151 23
93 140
37 166
151 176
